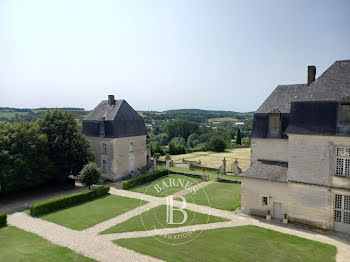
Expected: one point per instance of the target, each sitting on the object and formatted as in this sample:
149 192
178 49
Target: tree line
182 136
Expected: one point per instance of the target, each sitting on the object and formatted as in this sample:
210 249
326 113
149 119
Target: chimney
111 100
311 74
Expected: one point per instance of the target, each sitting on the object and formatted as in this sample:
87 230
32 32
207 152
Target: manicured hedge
3 219
54 204
144 179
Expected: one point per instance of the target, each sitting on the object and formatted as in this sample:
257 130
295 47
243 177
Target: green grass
149 188
19 245
156 218
211 174
90 213
225 196
244 244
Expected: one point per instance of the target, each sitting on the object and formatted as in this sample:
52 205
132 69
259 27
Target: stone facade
118 136
304 171
122 155
308 195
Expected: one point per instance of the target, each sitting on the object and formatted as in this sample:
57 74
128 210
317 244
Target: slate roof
332 86
282 97
267 170
120 120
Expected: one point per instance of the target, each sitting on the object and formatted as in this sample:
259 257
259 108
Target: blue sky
158 55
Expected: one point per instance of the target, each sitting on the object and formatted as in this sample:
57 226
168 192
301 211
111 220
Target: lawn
88 214
19 245
211 174
152 188
213 159
156 218
245 243
225 196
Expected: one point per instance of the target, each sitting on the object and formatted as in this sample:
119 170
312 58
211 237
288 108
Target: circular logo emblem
181 204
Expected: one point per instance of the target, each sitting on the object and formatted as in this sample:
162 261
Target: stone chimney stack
111 100
311 74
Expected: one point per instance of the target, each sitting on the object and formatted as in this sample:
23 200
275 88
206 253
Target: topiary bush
3 219
90 174
46 206
144 179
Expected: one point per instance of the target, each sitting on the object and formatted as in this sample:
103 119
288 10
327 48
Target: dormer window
275 123
344 114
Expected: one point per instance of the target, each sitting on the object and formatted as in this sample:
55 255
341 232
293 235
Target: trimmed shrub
3 219
144 179
46 206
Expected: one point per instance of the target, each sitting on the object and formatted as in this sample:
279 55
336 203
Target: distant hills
199 111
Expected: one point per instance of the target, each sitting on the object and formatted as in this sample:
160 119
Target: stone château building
117 135
300 152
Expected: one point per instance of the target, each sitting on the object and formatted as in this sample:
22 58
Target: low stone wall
224 180
184 161
203 177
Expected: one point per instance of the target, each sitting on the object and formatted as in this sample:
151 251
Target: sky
164 54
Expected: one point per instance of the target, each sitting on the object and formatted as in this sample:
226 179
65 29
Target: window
275 123
342 161
264 201
342 209
131 147
104 148
104 165
344 114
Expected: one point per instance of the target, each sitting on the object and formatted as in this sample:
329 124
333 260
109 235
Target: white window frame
342 161
342 209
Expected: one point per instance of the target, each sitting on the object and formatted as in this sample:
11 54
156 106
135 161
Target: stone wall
118 155
252 191
269 149
309 204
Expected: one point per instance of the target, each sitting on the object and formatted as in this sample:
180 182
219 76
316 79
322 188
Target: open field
245 243
93 212
225 196
222 119
150 220
211 174
19 245
213 159
151 190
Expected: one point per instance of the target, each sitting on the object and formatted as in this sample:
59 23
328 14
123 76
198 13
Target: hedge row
3 219
144 179
53 204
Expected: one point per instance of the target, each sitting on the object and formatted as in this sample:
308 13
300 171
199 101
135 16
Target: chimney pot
111 100
311 74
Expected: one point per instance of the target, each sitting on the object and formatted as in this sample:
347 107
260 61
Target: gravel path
100 247
78 241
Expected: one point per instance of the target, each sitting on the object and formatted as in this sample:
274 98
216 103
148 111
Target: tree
193 140
238 137
216 144
180 128
156 148
90 174
24 161
69 150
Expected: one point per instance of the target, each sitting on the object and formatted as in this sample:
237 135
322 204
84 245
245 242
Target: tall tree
69 149
24 161
238 137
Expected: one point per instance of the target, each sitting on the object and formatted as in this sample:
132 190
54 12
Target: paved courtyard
100 247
